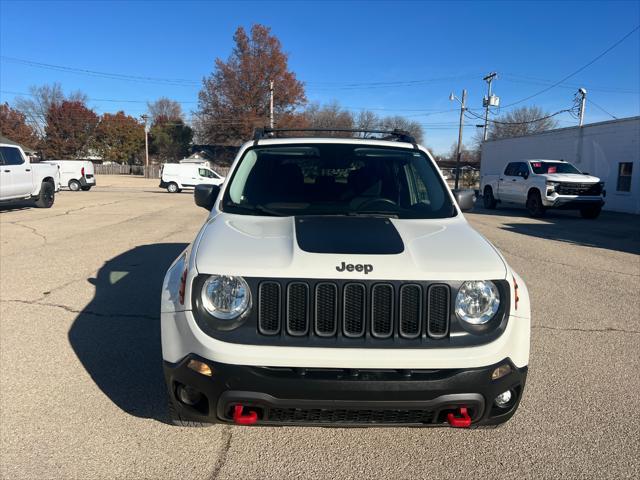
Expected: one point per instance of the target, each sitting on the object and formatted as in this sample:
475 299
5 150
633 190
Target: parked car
176 177
22 180
75 174
337 282
542 184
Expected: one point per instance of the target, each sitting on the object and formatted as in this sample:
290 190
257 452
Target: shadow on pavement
22 205
117 335
612 231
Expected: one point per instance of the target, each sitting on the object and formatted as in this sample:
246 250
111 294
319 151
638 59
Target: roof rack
396 134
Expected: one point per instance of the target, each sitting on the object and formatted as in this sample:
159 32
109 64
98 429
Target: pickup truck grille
579 189
372 310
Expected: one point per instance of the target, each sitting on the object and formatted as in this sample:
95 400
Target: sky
402 57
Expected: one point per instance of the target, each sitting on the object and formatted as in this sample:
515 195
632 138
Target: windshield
553 167
337 179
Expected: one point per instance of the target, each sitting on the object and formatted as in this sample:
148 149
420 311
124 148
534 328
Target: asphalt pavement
81 388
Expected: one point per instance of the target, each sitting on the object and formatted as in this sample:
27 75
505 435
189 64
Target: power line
599 107
514 78
95 73
555 84
475 115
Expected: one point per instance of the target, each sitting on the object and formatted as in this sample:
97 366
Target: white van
177 176
75 174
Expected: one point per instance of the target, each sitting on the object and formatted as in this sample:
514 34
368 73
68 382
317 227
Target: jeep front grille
269 308
373 310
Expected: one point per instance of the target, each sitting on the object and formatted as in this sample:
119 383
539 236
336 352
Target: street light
452 97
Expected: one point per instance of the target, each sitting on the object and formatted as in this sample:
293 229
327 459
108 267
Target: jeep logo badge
359 267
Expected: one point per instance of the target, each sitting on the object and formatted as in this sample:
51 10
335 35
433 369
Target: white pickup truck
542 184
22 180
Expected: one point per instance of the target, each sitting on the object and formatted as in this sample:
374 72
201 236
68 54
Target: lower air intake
348 416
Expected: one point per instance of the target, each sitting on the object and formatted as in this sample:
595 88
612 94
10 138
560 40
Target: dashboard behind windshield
553 167
337 179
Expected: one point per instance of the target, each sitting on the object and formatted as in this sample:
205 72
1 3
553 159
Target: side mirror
525 175
465 199
205 195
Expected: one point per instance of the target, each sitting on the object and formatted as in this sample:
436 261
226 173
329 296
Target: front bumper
572 202
344 397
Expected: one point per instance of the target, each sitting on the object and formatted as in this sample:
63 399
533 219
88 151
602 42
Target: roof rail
396 134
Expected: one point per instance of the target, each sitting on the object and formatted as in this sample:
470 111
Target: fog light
500 372
200 367
503 399
188 395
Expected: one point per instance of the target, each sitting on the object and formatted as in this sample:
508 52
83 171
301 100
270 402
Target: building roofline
576 127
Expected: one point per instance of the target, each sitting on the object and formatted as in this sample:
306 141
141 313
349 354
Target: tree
69 128
368 120
170 140
164 110
521 121
13 125
328 116
119 137
36 107
235 98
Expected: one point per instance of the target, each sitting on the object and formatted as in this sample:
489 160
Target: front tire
489 200
86 188
74 185
534 204
47 195
173 188
591 213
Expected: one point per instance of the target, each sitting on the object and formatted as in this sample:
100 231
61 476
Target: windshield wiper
256 208
372 213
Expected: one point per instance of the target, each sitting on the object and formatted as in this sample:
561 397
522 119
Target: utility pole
582 92
462 109
271 104
145 117
487 103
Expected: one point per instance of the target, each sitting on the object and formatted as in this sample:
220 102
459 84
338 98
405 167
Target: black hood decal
348 235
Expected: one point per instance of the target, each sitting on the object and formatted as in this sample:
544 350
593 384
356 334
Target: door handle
27 169
7 171
502 179
514 179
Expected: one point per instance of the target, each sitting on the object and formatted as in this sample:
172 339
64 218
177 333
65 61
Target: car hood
571 178
392 249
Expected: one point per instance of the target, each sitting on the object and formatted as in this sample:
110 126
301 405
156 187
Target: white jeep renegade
336 282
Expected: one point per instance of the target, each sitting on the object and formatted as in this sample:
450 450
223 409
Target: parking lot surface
81 388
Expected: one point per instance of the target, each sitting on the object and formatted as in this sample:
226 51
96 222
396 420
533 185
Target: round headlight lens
226 297
477 302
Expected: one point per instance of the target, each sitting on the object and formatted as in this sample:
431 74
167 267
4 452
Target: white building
609 150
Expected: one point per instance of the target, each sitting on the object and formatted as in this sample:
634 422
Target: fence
153 171
468 178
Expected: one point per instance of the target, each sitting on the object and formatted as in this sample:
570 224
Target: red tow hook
249 418
460 422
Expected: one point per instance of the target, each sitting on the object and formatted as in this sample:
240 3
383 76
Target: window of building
624 176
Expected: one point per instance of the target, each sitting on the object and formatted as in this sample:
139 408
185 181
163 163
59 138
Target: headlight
552 185
225 297
477 302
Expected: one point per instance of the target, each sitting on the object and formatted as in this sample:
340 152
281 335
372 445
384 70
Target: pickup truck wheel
74 185
86 188
47 195
534 204
173 188
488 198
591 212
175 418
